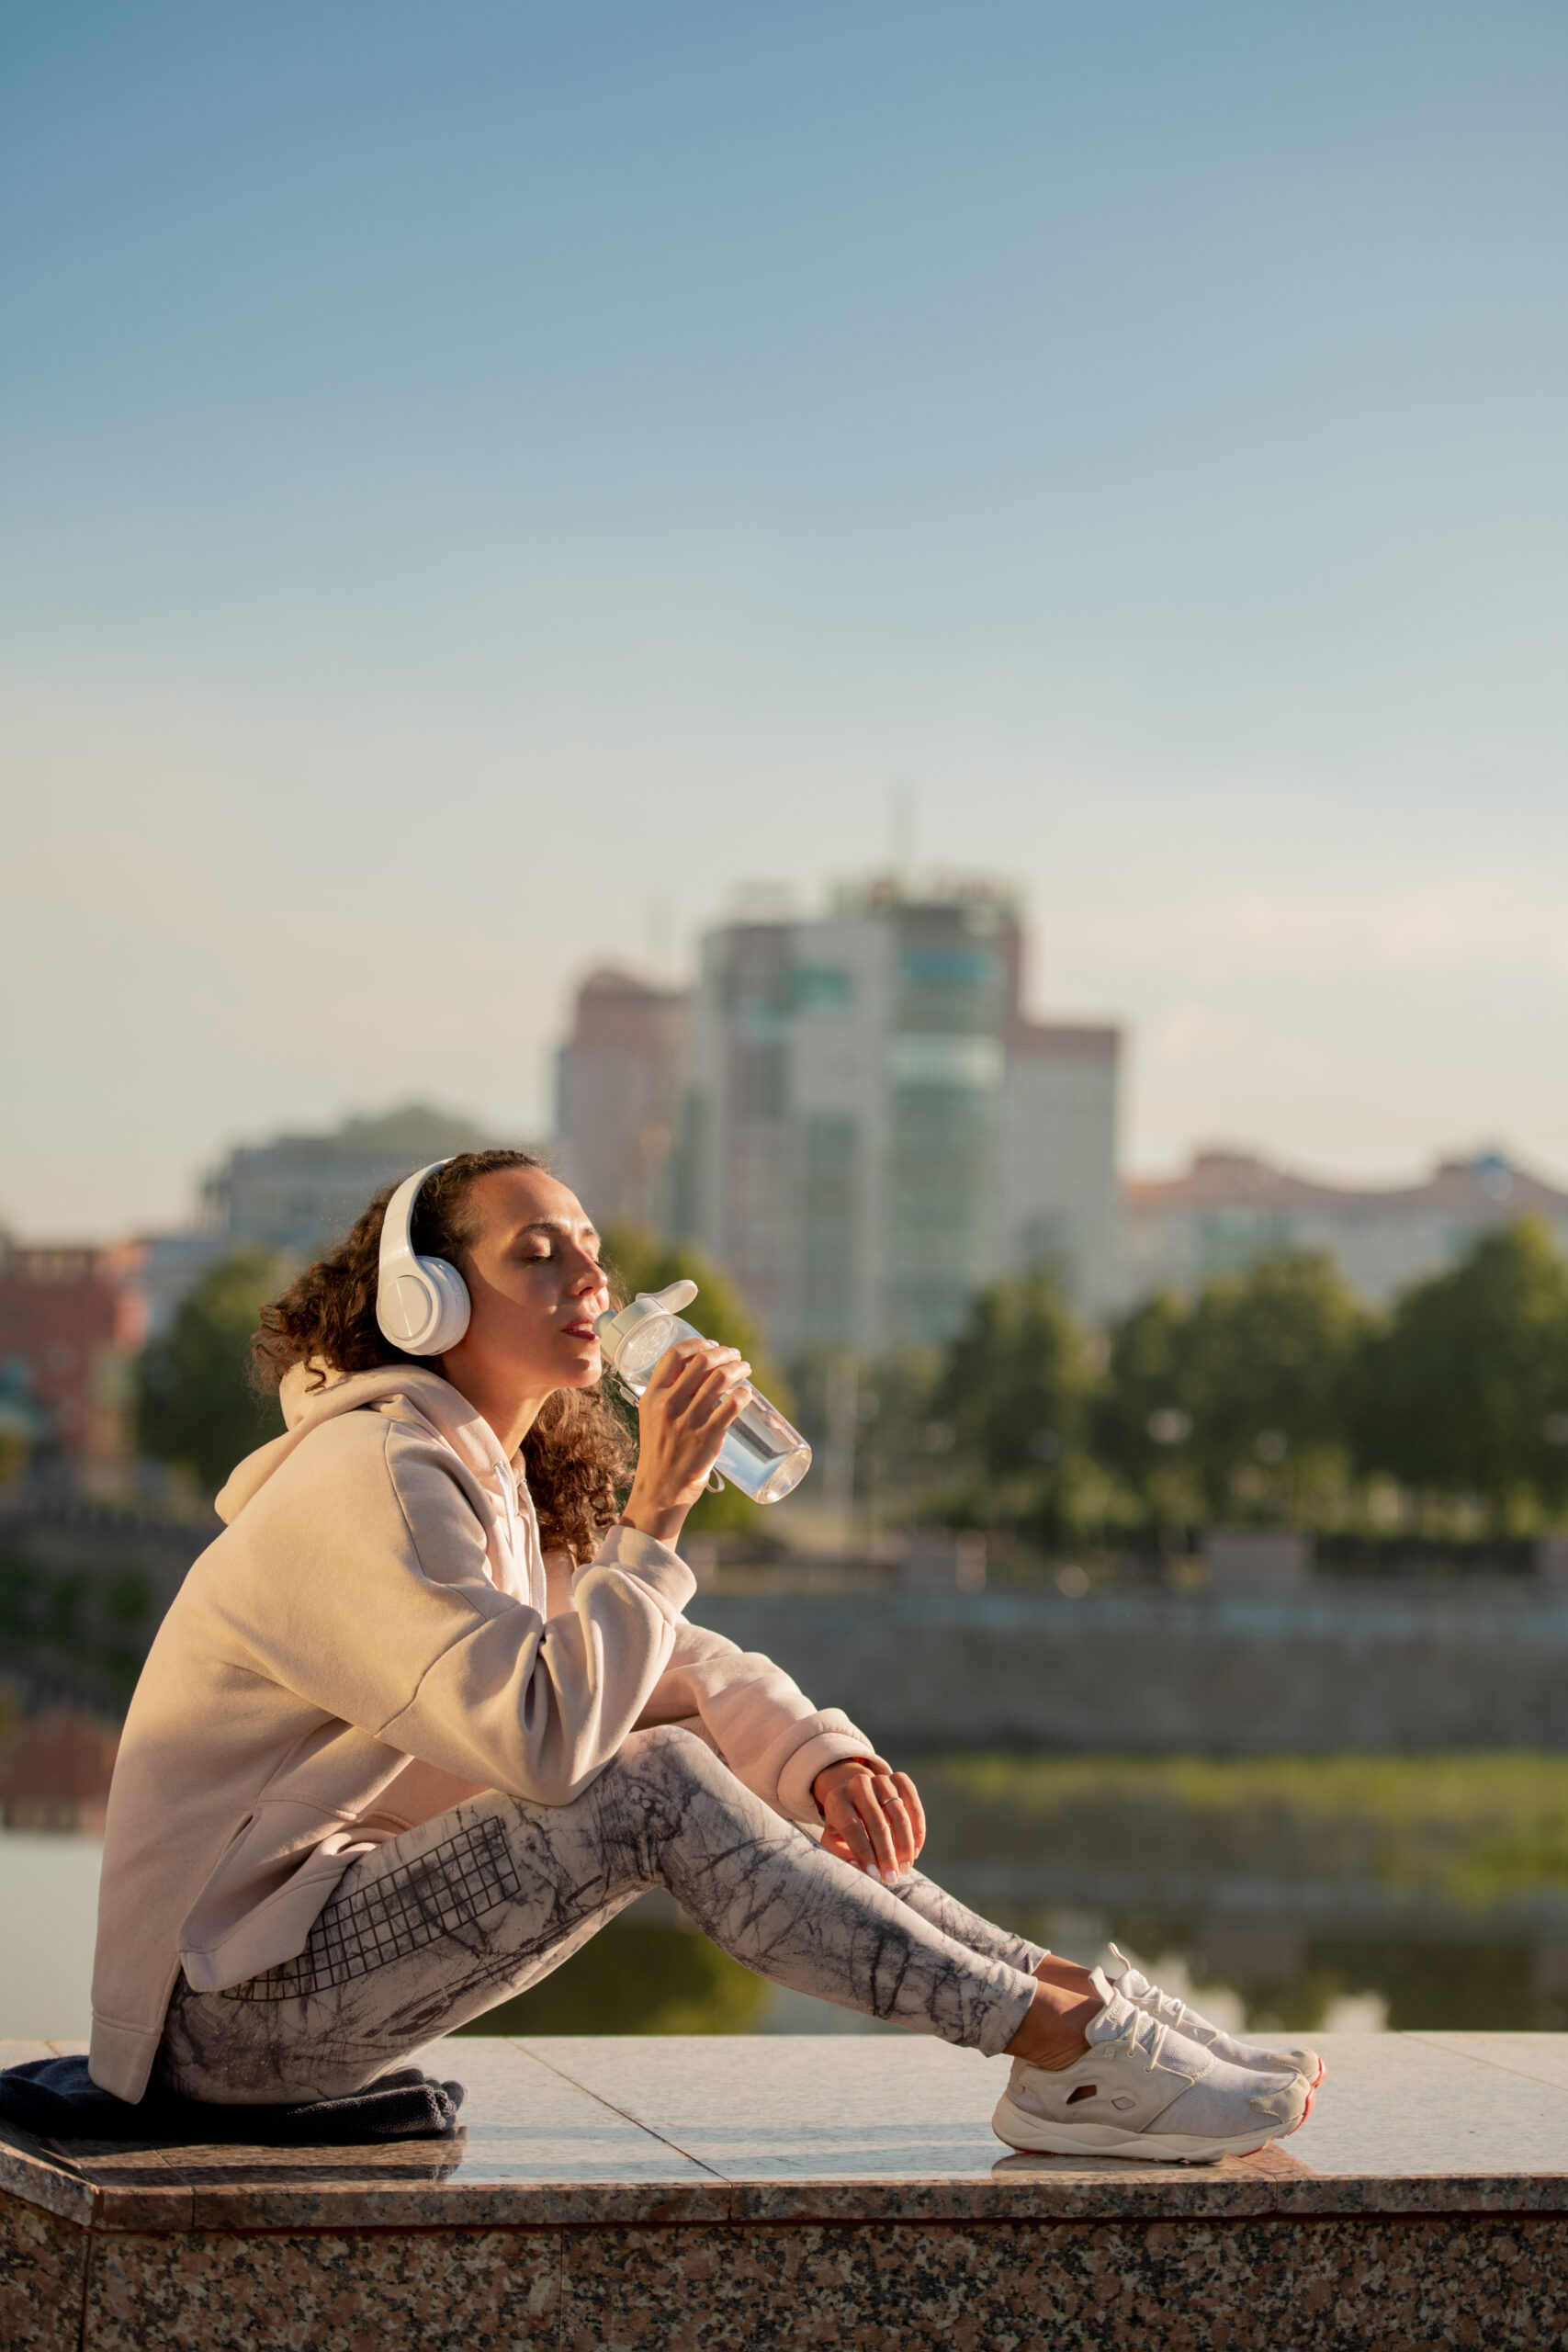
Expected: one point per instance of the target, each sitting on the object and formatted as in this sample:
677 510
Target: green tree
1239 1401
194 1406
1143 1417
1463 1394
1015 1389
1271 1355
900 1437
884 1406
641 1261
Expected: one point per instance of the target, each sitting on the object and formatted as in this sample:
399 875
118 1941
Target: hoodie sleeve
380 1612
761 1722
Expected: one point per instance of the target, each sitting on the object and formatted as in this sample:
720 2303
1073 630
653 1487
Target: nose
589 1275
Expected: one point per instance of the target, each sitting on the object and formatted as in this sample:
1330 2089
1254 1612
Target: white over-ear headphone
422 1303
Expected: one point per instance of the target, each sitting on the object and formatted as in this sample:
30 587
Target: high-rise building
873 1131
618 1098
1061 1204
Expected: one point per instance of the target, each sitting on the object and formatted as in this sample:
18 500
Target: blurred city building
301 1192
55 1772
872 1130
1061 1203
71 1321
1231 1208
168 1266
618 1099
298 1193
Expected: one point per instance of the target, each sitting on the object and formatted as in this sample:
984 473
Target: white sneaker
1136 1987
1144 2092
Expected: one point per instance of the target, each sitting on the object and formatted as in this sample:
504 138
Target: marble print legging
435 1927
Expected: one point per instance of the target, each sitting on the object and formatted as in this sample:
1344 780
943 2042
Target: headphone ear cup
422 1306
452 1303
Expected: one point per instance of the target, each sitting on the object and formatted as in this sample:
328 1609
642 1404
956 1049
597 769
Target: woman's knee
670 1768
669 1752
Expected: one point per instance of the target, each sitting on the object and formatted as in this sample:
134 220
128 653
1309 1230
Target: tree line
1275 1395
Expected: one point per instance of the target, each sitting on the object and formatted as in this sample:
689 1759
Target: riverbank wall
1484 1666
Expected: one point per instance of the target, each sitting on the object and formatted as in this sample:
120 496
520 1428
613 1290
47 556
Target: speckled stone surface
1341 2286
730 2195
43 2269
899 2287
461 2290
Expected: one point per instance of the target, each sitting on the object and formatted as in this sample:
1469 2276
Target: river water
1278 1893
49 1897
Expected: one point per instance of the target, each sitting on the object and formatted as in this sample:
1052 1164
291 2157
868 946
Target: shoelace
1135 1986
1139 2034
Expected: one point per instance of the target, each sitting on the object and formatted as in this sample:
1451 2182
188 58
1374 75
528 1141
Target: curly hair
579 1454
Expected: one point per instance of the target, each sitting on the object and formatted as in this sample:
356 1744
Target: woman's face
536 1284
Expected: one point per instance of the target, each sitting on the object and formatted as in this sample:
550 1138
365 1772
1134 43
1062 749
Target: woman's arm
685 1415
769 1732
360 1580
550 1706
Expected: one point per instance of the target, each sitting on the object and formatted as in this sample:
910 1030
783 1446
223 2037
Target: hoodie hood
424 1394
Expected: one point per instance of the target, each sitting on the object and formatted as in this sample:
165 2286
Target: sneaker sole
1031 2135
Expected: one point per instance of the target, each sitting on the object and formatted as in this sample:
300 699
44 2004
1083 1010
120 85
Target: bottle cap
633 1339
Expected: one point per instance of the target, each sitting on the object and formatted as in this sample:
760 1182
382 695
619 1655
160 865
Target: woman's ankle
1066 1975
1054 2031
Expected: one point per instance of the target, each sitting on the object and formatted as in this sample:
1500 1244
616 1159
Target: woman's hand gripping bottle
761 1454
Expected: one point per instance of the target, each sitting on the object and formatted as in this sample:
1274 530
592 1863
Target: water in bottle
761 1453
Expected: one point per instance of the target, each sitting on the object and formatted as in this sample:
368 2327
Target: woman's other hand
873 1816
697 1390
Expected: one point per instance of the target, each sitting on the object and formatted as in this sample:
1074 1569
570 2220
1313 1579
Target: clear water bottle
761 1453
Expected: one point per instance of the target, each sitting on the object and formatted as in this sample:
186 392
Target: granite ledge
256 2202
42 2175
618 2134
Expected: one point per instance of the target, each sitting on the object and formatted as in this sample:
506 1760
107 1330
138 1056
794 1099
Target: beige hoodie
374 1638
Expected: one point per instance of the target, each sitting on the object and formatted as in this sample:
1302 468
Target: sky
482 487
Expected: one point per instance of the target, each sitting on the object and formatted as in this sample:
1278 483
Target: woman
427 1714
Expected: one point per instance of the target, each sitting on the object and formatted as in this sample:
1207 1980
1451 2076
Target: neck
510 1415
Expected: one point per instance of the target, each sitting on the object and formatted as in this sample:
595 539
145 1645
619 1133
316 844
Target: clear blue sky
483 482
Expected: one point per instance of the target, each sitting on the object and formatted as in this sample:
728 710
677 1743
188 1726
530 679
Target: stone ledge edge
185 2208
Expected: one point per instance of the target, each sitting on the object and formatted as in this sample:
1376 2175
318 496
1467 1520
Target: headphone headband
422 1303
